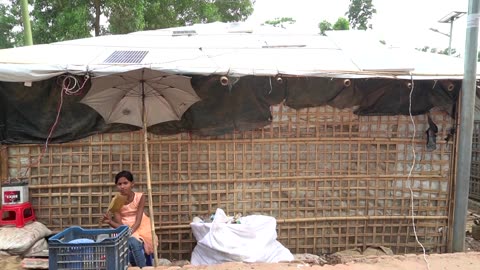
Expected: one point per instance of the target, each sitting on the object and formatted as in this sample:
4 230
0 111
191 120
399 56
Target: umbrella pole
149 191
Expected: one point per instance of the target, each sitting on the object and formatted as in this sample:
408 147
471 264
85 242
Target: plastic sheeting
28 113
253 240
230 49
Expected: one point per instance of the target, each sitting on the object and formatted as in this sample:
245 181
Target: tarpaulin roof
232 49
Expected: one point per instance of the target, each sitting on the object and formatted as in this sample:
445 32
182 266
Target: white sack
40 249
16 241
253 240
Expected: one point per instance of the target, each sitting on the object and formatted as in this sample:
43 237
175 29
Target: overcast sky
403 23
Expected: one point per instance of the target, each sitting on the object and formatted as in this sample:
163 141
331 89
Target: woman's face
124 186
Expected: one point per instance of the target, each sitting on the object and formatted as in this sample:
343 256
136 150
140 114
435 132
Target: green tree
340 24
7 22
446 52
58 20
125 16
359 13
170 13
324 26
280 22
435 50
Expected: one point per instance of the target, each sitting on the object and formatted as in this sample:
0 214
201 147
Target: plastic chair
17 214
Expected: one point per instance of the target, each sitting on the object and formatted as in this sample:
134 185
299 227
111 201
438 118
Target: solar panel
126 57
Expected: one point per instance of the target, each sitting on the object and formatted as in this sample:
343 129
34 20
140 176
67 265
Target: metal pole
450 38
466 129
27 29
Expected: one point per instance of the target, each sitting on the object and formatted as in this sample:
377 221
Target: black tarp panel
28 113
312 92
392 97
240 105
373 96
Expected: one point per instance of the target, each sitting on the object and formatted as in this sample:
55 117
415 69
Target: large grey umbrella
142 98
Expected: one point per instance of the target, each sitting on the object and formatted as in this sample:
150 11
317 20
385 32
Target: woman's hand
107 218
135 227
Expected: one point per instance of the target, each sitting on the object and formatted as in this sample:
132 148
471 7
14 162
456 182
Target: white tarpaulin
227 49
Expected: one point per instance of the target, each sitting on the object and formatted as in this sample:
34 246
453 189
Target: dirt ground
468 260
452 261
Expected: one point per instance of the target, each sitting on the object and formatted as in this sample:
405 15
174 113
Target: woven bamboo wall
333 180
474 191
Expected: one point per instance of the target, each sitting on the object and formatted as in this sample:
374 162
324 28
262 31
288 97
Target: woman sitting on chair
140 243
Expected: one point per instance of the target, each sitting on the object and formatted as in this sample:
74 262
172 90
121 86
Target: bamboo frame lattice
333 180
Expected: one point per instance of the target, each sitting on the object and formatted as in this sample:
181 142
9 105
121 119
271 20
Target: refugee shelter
347 142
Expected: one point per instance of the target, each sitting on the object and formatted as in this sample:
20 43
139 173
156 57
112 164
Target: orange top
144 233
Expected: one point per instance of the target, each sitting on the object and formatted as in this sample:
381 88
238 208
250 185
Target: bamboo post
3 163
149 188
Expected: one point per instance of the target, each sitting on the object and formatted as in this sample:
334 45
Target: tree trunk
96 4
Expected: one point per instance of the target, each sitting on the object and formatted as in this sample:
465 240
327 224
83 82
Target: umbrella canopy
125 97
141 97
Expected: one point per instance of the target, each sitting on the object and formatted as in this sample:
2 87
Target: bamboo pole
318 140
3 163
149 187
294 220
246 180
285 178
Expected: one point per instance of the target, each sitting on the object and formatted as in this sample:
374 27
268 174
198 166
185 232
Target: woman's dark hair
125 174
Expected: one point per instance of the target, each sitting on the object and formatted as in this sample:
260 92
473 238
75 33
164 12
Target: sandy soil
452 261
464 261
10 262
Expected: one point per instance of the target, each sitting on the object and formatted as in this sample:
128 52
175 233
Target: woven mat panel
475 170
333 180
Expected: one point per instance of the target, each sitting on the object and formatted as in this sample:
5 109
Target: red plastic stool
17 214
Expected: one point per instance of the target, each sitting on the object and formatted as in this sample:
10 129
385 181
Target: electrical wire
70 86
412 86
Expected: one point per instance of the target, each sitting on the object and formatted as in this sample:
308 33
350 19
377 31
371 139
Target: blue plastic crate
78 248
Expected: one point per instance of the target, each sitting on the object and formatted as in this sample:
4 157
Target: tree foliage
438 51
7 22
280 22
124 16
359 13
60 20
57 20
340 24
324 26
